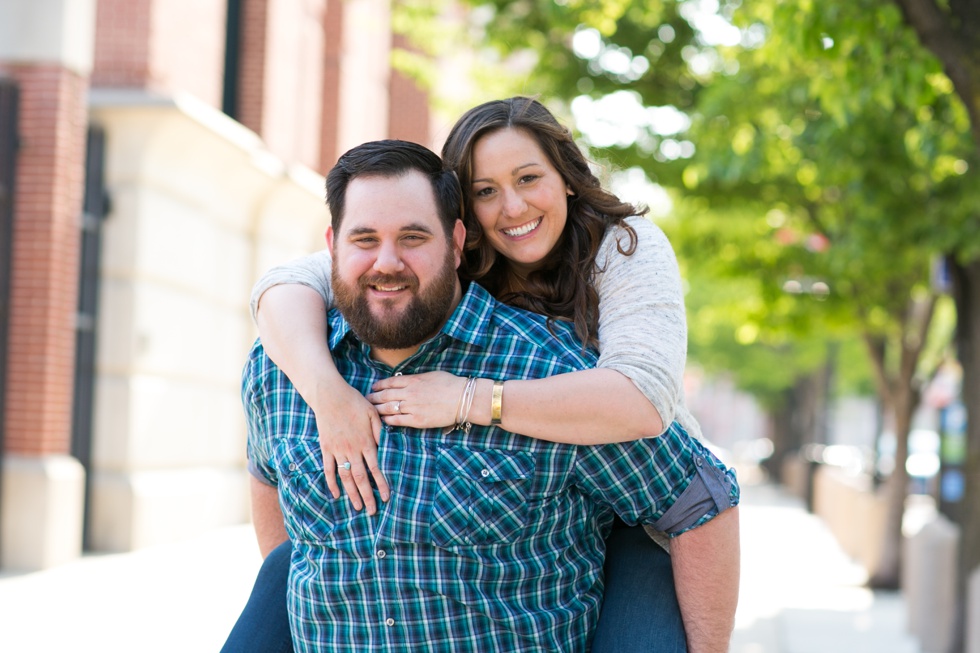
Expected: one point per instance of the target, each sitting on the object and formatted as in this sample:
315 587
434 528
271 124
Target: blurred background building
156 156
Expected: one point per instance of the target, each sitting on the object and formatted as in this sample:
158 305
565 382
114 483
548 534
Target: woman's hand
350 430
421 401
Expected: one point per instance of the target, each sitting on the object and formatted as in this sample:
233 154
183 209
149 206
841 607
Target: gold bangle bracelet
496 402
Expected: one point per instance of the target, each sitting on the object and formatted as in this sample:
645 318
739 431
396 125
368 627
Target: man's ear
329 236
459 237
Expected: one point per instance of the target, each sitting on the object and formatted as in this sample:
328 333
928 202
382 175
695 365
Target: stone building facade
156 156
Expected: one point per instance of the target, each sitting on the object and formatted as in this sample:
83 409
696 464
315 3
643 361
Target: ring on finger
346 465
398 407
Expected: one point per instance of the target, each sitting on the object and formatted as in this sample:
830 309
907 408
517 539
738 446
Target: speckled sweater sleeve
642 324
312 270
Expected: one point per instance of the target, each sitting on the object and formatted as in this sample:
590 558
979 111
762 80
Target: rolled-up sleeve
671 483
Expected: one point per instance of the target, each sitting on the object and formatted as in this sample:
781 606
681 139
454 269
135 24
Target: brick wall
409 115
122 43
44 292
188 47
251 64
333 30
164 46
281 75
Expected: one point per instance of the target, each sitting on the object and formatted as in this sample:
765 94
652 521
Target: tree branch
876 348
949 43
915 330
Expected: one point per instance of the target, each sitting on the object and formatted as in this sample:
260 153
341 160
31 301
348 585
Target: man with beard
490 541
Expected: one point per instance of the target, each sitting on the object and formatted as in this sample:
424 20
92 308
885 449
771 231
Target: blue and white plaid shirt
491 541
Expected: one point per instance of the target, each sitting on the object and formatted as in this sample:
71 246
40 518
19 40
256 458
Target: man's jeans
639 611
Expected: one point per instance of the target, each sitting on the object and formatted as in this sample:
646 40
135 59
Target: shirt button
389 621
485 473
699 461
381 553
293 467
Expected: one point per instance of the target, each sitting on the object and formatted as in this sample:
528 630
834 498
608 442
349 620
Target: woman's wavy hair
563 287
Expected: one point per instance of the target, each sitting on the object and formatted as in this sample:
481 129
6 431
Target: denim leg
263 626
639 610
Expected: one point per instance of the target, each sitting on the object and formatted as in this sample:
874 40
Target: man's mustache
386 280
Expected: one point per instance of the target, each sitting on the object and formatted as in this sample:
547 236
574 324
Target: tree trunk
887 574
783 446
901 394
953 36
966 292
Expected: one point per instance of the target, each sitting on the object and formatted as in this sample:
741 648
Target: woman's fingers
383 401
356 474
349 436
357 484
427 400
371 460
394 382
330 473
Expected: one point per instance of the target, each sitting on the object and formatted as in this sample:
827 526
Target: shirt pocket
310 509
481 496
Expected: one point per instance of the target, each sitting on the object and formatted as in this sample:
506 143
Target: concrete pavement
181 597
799 593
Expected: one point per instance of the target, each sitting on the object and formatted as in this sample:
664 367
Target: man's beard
425 313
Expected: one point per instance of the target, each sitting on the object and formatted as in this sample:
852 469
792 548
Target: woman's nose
514 204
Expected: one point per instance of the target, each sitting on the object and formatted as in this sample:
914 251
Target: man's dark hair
394 158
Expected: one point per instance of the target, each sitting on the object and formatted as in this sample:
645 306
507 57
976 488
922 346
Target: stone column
930 584
47 48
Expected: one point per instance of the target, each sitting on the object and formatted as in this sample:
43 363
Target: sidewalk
799 594
182 597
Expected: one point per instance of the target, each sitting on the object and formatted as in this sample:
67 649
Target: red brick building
155 157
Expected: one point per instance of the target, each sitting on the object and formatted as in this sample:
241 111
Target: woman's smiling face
518 197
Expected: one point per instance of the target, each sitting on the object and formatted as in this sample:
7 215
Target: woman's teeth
525 229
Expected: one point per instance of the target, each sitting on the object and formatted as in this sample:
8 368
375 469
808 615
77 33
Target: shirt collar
470 321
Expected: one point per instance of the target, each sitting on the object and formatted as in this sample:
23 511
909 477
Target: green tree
869 174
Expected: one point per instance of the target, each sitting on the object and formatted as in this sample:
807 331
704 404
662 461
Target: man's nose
389 259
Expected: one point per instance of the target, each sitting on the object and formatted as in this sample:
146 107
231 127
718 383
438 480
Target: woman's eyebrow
513 172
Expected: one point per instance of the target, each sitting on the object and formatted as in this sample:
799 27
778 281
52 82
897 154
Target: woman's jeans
263 626
639 612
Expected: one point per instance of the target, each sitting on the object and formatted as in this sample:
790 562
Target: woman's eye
526 179
484 192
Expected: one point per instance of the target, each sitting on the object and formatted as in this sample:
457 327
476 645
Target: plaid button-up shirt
491 541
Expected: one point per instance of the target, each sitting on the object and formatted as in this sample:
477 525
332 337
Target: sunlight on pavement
800 593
